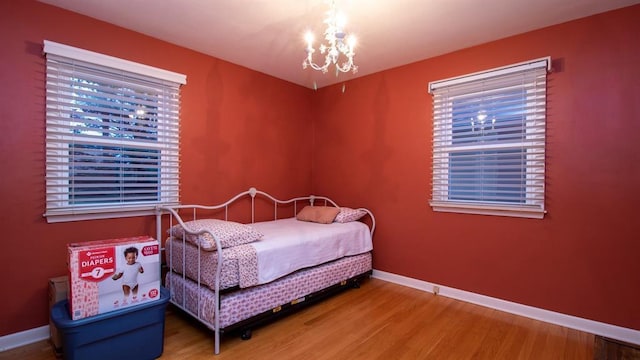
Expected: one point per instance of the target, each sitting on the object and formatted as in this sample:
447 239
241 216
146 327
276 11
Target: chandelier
338 50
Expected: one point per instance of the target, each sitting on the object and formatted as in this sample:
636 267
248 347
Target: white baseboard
594 327
590 326
24 338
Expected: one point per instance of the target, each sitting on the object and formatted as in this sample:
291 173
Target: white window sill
56 216
486 209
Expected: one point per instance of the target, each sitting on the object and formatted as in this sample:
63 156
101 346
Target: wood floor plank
380 320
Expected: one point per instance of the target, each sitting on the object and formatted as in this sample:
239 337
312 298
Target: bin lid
61 318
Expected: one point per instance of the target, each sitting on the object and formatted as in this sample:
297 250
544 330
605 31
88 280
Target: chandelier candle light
339 46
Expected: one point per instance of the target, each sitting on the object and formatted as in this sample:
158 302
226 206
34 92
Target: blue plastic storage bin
132 333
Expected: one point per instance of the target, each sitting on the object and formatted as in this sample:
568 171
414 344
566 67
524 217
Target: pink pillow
318 214
228 232
348 214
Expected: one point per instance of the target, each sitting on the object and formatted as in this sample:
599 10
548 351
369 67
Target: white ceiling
267 35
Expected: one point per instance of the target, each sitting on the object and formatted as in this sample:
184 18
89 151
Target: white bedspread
282 250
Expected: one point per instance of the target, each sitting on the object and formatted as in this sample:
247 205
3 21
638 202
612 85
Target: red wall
240 128
583 258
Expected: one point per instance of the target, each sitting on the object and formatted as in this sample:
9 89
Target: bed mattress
245 303
288 245
177 250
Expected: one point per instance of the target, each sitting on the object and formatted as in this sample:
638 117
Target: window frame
60 142
443 147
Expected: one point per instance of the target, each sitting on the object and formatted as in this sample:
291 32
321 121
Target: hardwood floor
380 320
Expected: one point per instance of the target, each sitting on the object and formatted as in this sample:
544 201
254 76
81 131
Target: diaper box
108 275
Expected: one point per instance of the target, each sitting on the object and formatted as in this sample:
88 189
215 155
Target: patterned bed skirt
246 303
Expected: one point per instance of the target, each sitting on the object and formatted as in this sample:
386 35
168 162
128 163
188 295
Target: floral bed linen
243 304
288 245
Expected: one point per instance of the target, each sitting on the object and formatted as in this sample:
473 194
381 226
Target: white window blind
112 135
489 141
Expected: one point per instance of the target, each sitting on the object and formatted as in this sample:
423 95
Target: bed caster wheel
246 334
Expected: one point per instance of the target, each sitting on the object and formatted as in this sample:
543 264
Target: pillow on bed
348 214
228 232
318 214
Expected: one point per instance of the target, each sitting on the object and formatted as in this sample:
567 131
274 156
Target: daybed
234 276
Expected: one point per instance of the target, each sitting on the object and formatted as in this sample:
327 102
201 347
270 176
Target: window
112 135
489 141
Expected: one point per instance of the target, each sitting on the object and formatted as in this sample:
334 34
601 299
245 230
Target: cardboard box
131 333
57 291
108 275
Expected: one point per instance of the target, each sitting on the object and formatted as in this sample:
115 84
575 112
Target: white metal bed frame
252 192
